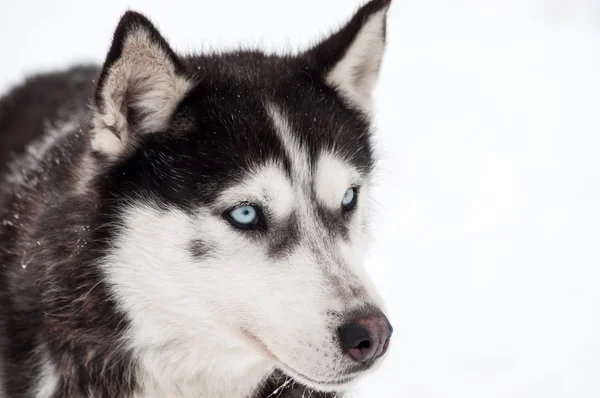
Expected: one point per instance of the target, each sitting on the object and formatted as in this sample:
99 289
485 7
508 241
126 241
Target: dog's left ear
350 58
141 83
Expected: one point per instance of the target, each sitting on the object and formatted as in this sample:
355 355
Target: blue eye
244 216
349 199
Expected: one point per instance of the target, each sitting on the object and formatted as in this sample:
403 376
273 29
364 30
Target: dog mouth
334 384
338 383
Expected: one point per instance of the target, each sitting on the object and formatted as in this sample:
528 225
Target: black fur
25 111
51 234
199 249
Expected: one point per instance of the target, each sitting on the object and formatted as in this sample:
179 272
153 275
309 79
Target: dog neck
201 368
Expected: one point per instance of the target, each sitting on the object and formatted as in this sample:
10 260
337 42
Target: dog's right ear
141 83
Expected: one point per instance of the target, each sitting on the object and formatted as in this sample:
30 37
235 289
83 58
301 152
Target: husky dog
191 226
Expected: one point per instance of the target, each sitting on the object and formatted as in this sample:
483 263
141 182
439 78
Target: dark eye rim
259 225
352 205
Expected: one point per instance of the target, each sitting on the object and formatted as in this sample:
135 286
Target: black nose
366 338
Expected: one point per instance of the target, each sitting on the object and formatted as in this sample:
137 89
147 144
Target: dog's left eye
246 217
349 199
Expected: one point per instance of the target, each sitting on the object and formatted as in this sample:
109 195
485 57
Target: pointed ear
141 83
350 58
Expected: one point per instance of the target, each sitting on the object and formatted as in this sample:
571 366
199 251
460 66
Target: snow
487 224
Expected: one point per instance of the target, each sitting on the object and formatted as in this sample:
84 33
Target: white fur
178 334
331 191
143 72
48 381
297 154
364 54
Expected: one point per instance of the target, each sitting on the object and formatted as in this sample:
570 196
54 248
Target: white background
488 199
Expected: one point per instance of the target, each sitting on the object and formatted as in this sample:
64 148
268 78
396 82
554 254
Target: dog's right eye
245 217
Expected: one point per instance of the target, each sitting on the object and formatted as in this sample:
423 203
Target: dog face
236 187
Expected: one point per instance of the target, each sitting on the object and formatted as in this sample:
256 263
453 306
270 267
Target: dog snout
366 338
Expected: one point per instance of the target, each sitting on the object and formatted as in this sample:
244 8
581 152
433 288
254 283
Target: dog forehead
244 99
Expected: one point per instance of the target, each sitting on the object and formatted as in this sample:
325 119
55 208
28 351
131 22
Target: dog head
236 187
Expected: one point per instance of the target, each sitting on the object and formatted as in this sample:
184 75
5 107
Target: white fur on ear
355 75
138 95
